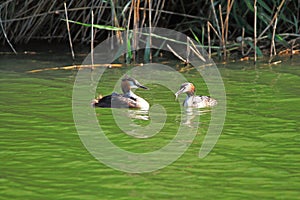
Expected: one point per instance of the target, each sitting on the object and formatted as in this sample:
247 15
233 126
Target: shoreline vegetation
239 30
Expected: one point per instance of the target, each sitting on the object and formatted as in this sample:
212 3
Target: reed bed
225 28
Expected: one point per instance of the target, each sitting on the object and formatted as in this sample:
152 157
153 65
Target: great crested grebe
192 100
126 100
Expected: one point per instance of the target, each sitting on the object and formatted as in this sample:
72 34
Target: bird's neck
191 93
130 94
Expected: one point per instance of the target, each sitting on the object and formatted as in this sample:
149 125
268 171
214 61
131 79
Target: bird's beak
94 102
179 92
176 96
141 86
144 87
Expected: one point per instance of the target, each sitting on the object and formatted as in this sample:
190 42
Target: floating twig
78 67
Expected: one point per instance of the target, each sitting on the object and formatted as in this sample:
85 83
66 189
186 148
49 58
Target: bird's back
199 101
116 101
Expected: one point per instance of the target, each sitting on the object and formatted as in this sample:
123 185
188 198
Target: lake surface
42 157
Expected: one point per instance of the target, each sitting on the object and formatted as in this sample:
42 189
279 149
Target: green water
42 157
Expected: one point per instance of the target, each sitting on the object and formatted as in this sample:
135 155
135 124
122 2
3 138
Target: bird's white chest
142 103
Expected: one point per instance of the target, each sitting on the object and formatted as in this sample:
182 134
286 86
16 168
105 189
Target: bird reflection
191 116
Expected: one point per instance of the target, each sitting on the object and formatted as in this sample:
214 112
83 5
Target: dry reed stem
159 11
40 22
273 48
69 34
208 39
273 19
255 33
198 54
215 17
243 41
101 8
176 54
136 20
222 41
92 40
229 7
5 35
292 46
27 21
177 14
150 28
144 11
128 21
188 50
115 22
195 50
215 31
